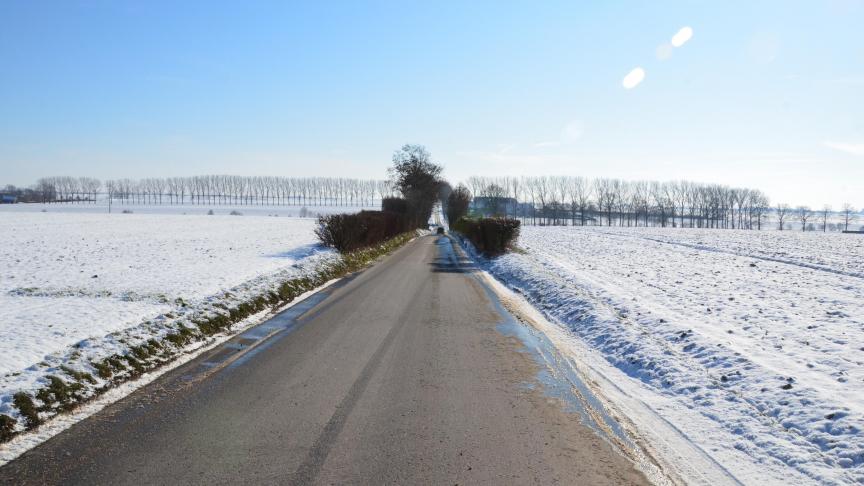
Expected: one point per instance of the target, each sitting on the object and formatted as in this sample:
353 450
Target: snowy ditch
742 358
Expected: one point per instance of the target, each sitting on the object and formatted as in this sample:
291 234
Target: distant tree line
57 189
788 217
565 200
544 200
210 190
246 190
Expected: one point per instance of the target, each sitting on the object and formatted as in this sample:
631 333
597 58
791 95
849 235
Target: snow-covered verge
89 301
750 347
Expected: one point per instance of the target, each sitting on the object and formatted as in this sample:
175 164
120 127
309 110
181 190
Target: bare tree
804 214
848 215
514 185
542 186
605 197
417 176
782 211
90 187
496 199
826 210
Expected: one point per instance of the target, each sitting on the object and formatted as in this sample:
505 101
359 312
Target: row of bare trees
811 220
218 189
250 190
545 200
562 200
65 189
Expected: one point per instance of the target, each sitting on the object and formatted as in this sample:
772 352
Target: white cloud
682 36
849 148
633 78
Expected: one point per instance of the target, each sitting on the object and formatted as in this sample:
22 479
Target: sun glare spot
682 36
633 78
663 51
572 132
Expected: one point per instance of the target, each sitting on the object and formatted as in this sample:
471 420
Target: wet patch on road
449 261
560 380
252 341
558 375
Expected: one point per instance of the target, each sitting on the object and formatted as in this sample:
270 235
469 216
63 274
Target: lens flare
682 36
633 78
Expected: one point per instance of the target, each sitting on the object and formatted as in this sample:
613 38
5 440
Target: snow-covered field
81 286
750 344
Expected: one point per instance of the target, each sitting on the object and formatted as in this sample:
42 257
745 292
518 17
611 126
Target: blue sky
765 94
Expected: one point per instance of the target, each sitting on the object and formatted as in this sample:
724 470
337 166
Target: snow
31 327
144 257
750 344
76 287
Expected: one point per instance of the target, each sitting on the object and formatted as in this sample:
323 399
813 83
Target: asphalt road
398 376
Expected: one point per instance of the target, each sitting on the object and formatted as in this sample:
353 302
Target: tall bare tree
848 215
804 214
782 211
826 210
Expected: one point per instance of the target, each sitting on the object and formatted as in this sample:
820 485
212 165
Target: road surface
397 376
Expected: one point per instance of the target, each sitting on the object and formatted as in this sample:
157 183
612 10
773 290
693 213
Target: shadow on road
445 265
448 261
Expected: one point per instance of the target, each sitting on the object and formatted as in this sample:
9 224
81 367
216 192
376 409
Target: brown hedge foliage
394 205
491 236
349 232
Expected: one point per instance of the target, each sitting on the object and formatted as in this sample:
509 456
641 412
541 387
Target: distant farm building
495 206
8 199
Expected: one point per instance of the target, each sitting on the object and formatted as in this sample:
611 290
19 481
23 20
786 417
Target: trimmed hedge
414 217
349 232
394 205
491 236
